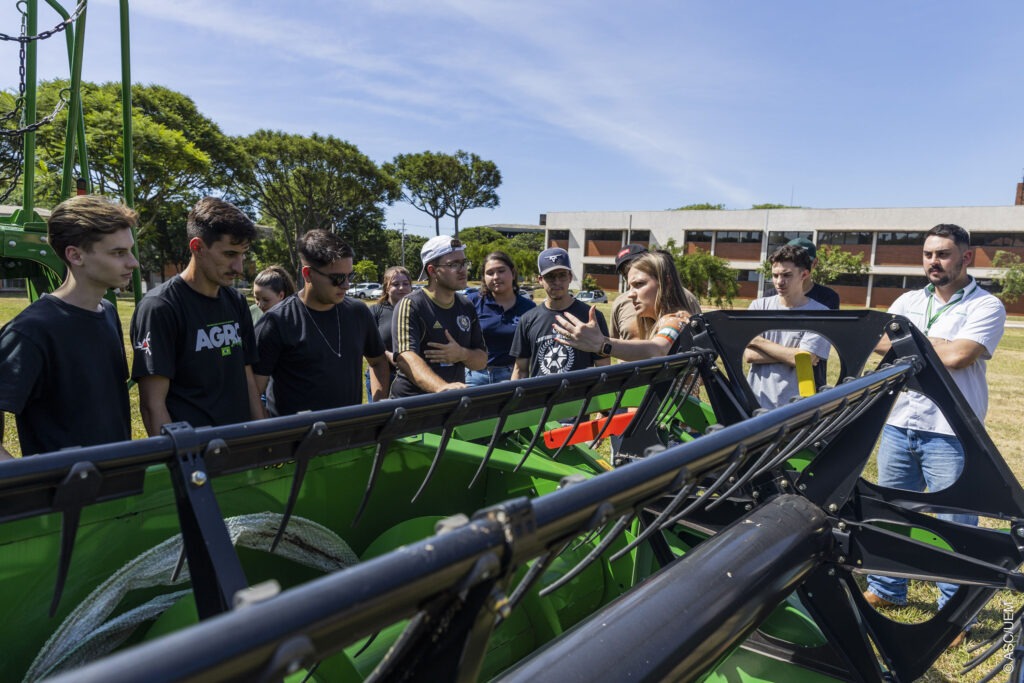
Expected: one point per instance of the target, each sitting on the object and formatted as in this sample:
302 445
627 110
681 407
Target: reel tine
543 420
532 575
656 418
765 456
367 644
303 452
179 564
656 524
615 406
506 410
687 382
384 441
446 435
79 487
704 495
785 452
605 543
579 416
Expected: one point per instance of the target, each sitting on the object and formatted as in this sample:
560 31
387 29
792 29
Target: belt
499 367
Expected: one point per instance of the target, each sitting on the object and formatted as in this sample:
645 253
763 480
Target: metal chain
20 99
15 176
15 113
46 34
62 101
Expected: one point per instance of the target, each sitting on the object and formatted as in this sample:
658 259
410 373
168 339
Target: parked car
365 290
593 296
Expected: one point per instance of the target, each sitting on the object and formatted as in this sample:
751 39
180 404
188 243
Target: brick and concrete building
889 239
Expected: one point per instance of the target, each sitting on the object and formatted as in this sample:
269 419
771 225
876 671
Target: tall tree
317 182
705 206
480 241
411 257
706 275
426 179
1011 282
834 261
478 181
179 155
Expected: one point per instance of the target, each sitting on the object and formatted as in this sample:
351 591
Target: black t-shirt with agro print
202 344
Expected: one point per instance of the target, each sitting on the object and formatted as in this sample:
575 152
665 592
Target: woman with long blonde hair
663 306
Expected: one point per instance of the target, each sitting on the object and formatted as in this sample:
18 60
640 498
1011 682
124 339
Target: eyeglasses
456 265
337 279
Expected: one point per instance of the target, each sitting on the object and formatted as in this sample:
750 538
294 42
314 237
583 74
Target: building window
603 236
699 236
900 281
838 238
848 280
739 236
642 236
599 269
900 238
777 239
998 240
748 275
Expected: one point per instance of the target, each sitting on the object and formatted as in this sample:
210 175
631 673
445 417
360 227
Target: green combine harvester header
476 534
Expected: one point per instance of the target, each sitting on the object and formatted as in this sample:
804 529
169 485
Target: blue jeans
913 461
489 375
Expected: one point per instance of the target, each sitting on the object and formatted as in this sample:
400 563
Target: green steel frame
23 249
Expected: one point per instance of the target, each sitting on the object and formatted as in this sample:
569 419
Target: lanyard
957 298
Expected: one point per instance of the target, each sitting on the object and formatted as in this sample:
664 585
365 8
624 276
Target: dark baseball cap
805 243
627 254
554 258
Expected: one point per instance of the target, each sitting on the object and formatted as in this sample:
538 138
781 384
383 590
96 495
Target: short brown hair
84 220
798 256
212 218
320 248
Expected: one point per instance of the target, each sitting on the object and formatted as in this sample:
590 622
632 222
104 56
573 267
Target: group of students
199 357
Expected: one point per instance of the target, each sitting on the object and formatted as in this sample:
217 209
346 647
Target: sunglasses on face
456 265
337 279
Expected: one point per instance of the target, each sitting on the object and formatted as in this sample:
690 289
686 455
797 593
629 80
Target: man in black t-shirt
435 332
193 335
312 344
535 346
63 370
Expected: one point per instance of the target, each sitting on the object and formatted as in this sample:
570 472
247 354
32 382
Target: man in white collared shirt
964 323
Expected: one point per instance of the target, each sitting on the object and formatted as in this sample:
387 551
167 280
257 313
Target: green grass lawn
1005 375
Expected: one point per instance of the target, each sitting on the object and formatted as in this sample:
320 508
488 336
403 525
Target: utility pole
403 243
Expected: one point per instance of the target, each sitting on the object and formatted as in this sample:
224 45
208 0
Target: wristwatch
606 348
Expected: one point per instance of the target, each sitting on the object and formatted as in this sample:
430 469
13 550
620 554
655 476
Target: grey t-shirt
774 384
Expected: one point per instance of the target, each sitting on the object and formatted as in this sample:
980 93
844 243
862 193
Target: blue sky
599 105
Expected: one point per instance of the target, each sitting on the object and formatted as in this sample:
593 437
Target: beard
941 278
